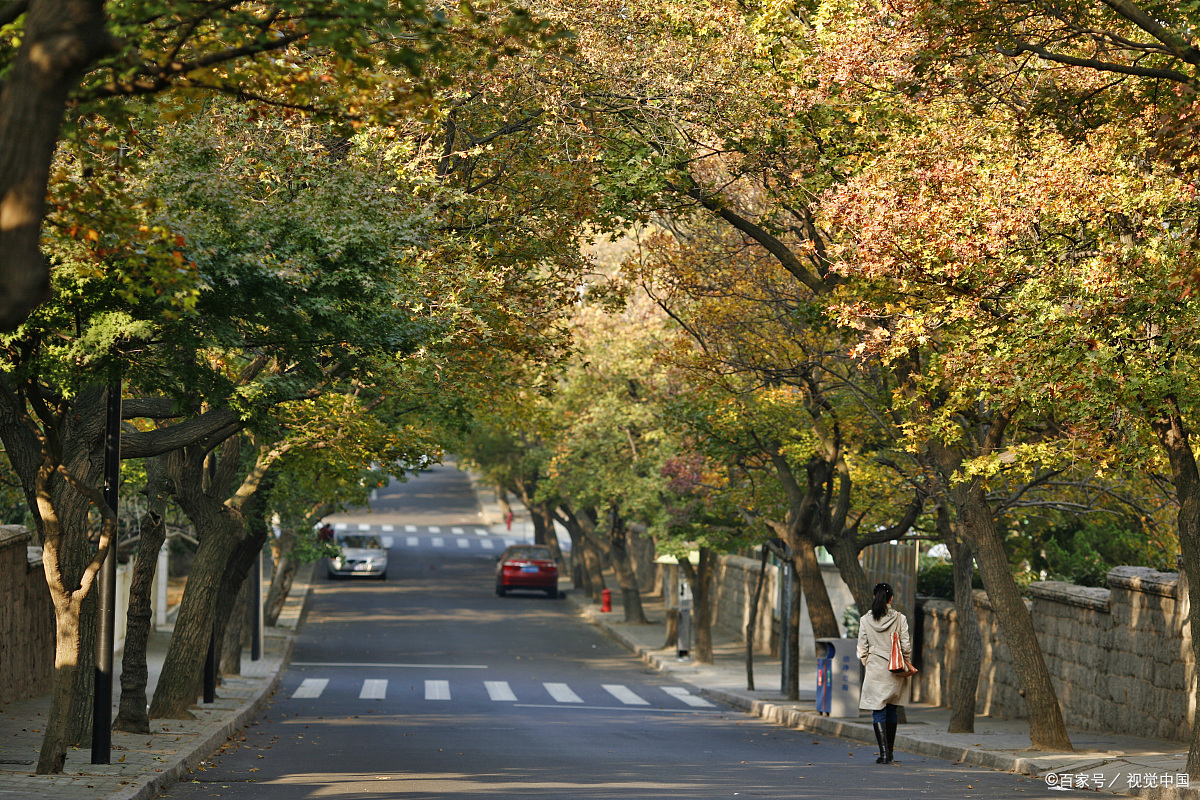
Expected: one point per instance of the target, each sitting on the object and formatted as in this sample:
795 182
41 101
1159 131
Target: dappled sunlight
681 781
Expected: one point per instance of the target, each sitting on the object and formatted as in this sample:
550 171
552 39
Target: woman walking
882 688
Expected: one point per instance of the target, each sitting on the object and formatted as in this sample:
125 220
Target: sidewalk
144 763
997 744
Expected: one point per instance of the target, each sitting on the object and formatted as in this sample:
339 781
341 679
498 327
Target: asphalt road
428 685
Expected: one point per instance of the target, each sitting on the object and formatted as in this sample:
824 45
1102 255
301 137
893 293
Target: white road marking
437 541
459 531
411 541
434 529
464 542
373 689
509 542
481 531
310 687
339 526
374 665
680 693
624 694
642 709
362 527
389 528
410 528
500 691
437 690
562 693
486 544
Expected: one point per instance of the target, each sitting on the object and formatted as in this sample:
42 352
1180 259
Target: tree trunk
234 597
219 529
53 754
69 558
229 651
539 525
284 569
131 715
964 681
1047 731
1172 434
700 578
581 579
182 671
752 623
631 597
583 527
820 608
543 526
59 39
845 554
593 565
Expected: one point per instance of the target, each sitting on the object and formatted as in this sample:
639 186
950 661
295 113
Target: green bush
936 579
1082 551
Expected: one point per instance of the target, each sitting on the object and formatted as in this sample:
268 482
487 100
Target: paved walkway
144 763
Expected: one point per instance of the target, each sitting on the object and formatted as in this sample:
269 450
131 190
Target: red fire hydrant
606 600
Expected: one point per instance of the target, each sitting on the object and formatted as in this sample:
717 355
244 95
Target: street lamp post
106 622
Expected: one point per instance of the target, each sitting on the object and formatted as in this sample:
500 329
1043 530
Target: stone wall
733 588
1120 658
26 619
734 580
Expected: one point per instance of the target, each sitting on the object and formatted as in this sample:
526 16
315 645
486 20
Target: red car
527 566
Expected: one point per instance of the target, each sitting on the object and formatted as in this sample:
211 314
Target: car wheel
501 591
383 576
552 592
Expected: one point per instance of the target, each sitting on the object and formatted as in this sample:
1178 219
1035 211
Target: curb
211 740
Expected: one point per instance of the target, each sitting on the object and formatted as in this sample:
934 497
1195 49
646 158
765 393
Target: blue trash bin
824 677
838 668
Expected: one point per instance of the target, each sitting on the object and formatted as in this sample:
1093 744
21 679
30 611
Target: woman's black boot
889 740
881 738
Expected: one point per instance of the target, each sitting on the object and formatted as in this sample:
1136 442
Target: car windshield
364 542
542 553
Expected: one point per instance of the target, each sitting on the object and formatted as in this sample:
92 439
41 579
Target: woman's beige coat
880 686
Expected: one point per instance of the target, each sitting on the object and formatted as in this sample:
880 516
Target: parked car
362 554
527 566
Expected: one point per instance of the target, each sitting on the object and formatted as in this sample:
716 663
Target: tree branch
1091 63
13 11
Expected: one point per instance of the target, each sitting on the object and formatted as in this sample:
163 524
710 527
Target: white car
362 554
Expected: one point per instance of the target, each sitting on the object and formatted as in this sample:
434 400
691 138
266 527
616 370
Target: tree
354 58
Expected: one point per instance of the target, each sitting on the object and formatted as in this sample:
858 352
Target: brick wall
26 620
1120 658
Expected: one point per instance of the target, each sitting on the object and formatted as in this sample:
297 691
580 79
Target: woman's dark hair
883 593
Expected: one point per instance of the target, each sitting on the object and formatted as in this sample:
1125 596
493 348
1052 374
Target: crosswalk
503 692
454 537
363 527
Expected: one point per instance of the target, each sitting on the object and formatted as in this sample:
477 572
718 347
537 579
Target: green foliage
850 618
1083 550
309 548
936 579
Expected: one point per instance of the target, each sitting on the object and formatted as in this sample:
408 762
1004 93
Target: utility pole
107 616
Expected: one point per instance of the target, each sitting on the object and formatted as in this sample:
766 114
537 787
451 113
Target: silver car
362 554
